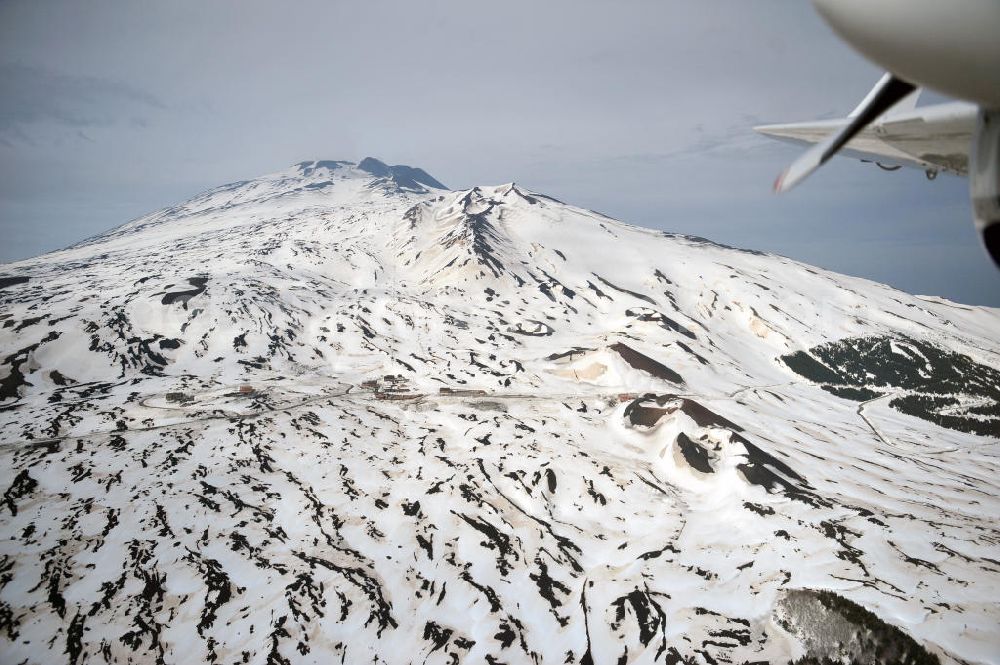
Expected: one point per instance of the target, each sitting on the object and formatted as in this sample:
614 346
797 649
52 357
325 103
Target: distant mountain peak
406 177
309 167
403 176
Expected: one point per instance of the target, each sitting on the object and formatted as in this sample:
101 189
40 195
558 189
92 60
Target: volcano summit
343 414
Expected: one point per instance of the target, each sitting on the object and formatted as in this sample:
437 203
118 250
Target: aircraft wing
931 138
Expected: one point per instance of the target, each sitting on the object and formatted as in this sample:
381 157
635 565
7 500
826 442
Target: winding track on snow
350 391
231 416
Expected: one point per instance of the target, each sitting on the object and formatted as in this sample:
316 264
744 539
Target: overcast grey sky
641 110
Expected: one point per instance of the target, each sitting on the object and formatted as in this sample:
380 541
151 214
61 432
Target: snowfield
343 414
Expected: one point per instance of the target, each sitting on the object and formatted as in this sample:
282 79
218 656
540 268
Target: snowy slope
600 443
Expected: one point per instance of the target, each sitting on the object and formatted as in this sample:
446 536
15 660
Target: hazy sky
641 110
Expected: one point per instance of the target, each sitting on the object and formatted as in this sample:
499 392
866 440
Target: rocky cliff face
342 412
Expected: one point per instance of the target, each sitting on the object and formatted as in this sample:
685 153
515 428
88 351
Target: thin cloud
735 140
32 95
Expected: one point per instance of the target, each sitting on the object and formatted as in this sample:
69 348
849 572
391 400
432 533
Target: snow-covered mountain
344 414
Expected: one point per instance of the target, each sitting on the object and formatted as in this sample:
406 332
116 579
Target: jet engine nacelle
952 46
984 180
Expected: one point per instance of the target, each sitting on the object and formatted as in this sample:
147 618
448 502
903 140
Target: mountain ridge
325 414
